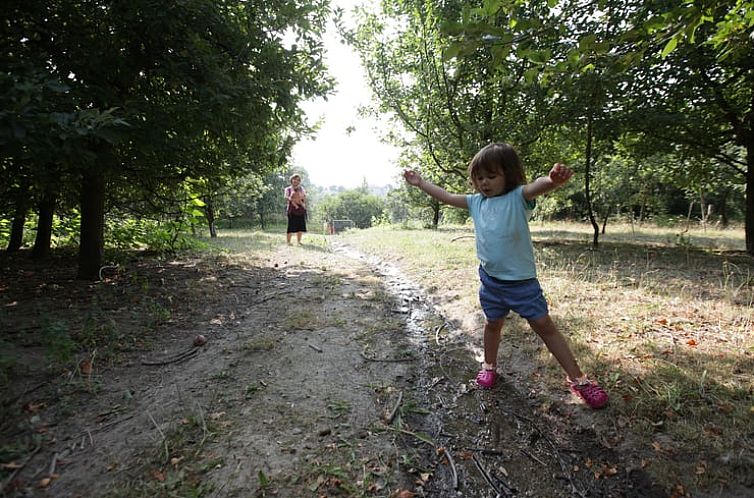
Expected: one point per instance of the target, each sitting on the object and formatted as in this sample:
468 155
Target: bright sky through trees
335 156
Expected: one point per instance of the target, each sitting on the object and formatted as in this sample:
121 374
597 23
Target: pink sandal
486 378
589 391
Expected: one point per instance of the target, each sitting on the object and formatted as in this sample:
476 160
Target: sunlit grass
662 317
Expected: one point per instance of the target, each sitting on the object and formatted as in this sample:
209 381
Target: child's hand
412 177
560 173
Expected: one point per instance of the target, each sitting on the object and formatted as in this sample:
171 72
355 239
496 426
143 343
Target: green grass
662 317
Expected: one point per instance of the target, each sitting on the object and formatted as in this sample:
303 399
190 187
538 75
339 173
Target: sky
336 157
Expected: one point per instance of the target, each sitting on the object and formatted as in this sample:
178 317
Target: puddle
410 301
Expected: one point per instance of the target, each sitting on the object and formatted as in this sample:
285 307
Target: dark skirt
296 223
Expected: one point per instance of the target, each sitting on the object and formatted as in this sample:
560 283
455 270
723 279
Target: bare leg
288 237
492 341
298 236
557 344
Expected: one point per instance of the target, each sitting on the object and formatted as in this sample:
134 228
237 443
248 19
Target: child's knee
544 326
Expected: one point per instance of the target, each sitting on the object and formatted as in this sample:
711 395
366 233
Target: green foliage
113 90
356 205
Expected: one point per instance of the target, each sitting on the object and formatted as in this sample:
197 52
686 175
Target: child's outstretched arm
439 193
559 174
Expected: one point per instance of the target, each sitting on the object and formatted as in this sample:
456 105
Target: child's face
490 183
295 181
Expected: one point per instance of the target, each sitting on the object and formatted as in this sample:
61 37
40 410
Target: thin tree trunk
435 214
688 215
722 208
92 236
42 242
209 211
17 229
587 182
750 197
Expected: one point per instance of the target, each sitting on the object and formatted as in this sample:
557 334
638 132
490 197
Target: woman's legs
298 236
557 344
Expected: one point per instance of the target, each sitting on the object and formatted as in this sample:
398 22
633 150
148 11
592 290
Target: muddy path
325 373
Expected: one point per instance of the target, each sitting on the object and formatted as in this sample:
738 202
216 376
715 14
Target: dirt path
324 374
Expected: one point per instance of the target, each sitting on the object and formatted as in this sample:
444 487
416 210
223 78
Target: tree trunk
209 212
722 208
92 237
41 247
17 229
688 215
587 183
750 197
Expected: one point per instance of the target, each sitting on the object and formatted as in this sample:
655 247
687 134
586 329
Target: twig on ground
183 355
315 348
533 457
486 476
459 237
107 267
452 463
437 333
394 412
386 360
53 464
19 468
420 437
164 439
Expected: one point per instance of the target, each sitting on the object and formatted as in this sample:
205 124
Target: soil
324 373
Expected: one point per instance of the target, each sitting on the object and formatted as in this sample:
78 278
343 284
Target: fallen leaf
158 476
11 466
725 407
45 482
404 493
465 455
32 407
691 342
85 366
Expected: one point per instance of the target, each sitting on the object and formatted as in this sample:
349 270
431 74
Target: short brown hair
501 158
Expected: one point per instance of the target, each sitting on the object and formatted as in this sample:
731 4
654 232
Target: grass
662 317
178 465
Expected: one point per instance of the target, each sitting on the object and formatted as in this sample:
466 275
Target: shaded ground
324 374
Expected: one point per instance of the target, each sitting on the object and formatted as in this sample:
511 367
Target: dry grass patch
663 318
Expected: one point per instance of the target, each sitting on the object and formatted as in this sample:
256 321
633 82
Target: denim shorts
500 297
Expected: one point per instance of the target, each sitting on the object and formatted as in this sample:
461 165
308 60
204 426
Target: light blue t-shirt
503 240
